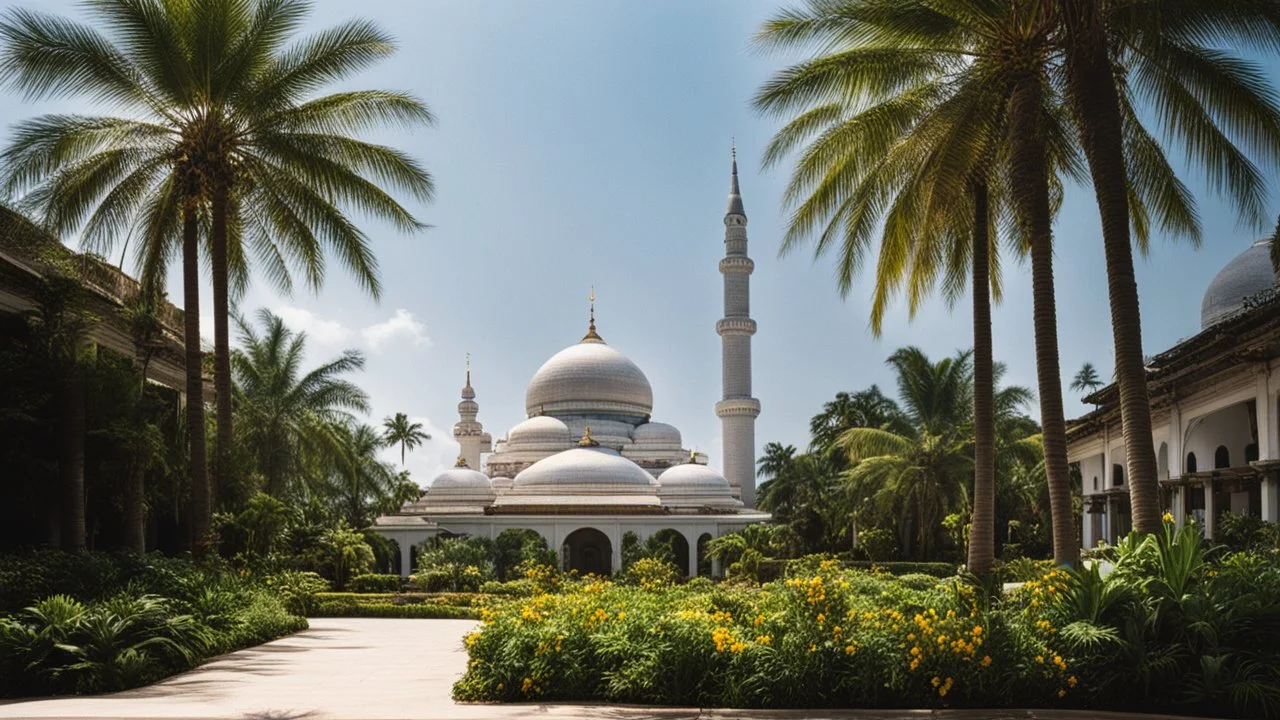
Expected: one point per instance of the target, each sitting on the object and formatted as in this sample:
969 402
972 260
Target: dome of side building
1248 274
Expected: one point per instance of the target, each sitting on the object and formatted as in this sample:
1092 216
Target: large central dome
1248 273
589 377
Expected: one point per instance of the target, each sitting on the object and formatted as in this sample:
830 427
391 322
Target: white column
1176 455
1209 520
615 542
1106 522
1086 526
406 557
1179 509
1267 449
715 567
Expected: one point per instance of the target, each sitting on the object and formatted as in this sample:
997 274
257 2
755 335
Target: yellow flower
1040 659
851 648
977 629
821 618
915 664
737 647
936 681
759 620
1062 693
622 616
1072 681
763 639
528 683
501 686
986 661
1167 517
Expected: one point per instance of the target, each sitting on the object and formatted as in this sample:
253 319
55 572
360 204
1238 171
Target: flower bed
1156 635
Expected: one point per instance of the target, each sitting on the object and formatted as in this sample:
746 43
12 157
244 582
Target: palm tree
289 414
918 477
1087 379
361 484
399 431
1206 96
231 139
866 408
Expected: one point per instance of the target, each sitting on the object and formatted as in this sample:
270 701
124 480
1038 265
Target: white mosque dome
460 478
1248 273
541 431
694 477
655 433
589 469
459 489
589 377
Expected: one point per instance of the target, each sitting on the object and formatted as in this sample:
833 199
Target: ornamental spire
587 440
735 195
592 336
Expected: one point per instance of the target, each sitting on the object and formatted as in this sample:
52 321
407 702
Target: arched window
1117 475
1191 463
1251 452
1095 482
1221 457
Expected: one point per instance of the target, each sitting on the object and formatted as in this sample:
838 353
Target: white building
1213 411
588 465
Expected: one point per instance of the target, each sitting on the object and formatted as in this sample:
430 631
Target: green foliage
346 554
879 544
425 611
652 573
374 583
298 590
1247 532
457 564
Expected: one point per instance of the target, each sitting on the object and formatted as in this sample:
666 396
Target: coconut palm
361 484
289 414
866 408
1210 100
399 431
220 130
1087 379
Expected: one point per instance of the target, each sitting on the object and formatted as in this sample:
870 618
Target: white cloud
402 324
325 332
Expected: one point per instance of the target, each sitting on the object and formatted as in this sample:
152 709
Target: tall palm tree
1211 101
398 430
233 140
865 408
362 484
288 413
1086 379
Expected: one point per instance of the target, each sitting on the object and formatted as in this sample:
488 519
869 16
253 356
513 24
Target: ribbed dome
459 478
589 377
655 433
692 476
540 431
585 470
1248 273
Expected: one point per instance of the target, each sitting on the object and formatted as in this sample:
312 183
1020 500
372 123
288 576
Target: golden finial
592 336
587 440
693 457
462 463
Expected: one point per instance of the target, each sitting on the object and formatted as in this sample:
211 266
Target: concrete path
370 669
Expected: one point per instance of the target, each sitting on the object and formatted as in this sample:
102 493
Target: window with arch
1117 474
1221 457
1191 463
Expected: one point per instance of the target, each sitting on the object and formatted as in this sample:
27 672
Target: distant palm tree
866 408
1087 379
290 415
361 484
399 431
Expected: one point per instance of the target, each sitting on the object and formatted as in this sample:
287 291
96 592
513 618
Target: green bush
455 599
430 581
510 588
936 569
652 573
374 583
350 607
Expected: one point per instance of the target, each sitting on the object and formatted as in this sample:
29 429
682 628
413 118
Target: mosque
1214 414
589 466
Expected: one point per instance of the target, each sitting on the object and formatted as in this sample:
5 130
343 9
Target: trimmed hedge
454 599
374 583
348 607
936 569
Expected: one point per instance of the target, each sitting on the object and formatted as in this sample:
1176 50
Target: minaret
738 410
468 431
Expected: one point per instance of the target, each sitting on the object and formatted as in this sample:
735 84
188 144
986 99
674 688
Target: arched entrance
679 548
588 551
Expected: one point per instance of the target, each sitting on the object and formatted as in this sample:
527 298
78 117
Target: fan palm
230 138
289 414
399 431
1208 100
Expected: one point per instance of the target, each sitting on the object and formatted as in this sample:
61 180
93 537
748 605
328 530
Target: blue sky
586 143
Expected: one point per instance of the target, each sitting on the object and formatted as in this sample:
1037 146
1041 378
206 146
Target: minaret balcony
736 326
748 407
737 263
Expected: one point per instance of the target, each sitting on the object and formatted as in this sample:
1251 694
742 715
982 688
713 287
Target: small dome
656 433
459 489
1248 274
586 470
587 377
460 478
501 483
540 431
692 476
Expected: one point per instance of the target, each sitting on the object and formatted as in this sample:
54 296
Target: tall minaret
468 431
738 410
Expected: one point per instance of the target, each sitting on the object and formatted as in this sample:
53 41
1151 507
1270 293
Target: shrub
374 583
431 581
298 590
936 569
652 573
510 588
390 610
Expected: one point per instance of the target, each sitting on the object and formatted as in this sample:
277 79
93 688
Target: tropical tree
362 485
865 408
1214 102
797 490
229 127
398 430
291 416
1087 379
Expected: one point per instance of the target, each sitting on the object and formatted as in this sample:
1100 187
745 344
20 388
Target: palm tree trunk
197 462
1097 110
982 529
71 452
1029 182
221 343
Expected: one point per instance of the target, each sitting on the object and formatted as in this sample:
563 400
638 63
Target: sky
584 143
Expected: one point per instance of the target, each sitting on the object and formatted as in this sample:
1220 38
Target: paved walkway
369 669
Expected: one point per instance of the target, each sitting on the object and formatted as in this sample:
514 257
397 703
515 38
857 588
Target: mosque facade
1215 415
588 468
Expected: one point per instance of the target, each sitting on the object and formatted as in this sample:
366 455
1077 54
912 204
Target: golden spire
592 336
468 369
693 457
461 463
587 440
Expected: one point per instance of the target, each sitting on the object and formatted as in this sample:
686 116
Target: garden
1199 622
